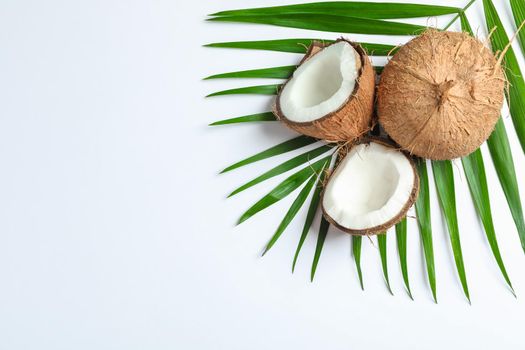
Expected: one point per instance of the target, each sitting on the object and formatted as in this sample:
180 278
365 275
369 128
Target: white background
114 228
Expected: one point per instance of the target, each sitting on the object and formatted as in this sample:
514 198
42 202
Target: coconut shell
353 118
441 94
402 213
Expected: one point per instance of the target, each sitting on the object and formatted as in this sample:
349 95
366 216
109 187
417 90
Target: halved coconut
331 95
441 95
371 189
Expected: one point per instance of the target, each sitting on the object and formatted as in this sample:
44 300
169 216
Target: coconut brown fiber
441 95
351 120
403 210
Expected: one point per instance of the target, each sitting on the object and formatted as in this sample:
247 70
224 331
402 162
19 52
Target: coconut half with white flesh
371 189
331 94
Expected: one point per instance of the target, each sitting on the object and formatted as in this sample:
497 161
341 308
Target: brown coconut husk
441 94
402 213
354 118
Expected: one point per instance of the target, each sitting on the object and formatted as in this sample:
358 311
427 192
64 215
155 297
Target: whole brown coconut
441 95
345 121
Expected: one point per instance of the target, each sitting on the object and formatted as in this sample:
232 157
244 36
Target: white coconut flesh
322 84
370 187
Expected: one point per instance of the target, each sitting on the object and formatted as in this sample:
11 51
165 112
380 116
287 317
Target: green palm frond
500 42
312 210
501 154
258 117
465 24
287 146
425 225
282 72
477 181
381 243
444 179
284 189
292 212
284 167
474 168
356 251
371 10
298 46
375 18
518 10
401 238
321 237
498 142
460 14
270 89
328 23
280 45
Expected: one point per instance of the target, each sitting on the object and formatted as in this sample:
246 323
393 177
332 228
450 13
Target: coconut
441 94
371 189
331 94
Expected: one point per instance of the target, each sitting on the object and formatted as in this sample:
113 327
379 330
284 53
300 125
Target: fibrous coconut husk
441 95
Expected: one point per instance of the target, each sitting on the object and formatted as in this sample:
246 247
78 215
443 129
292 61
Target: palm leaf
465 25
500 40
280 45
339 17
501 154
518 10
323 231
292 212
356 251
282 72
284 167
284 189
401 238
272 73
461 14
474 168
249 90
314 204
346 8
298 46
381 242
444 179
329 23
258 117
425 224
286 146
